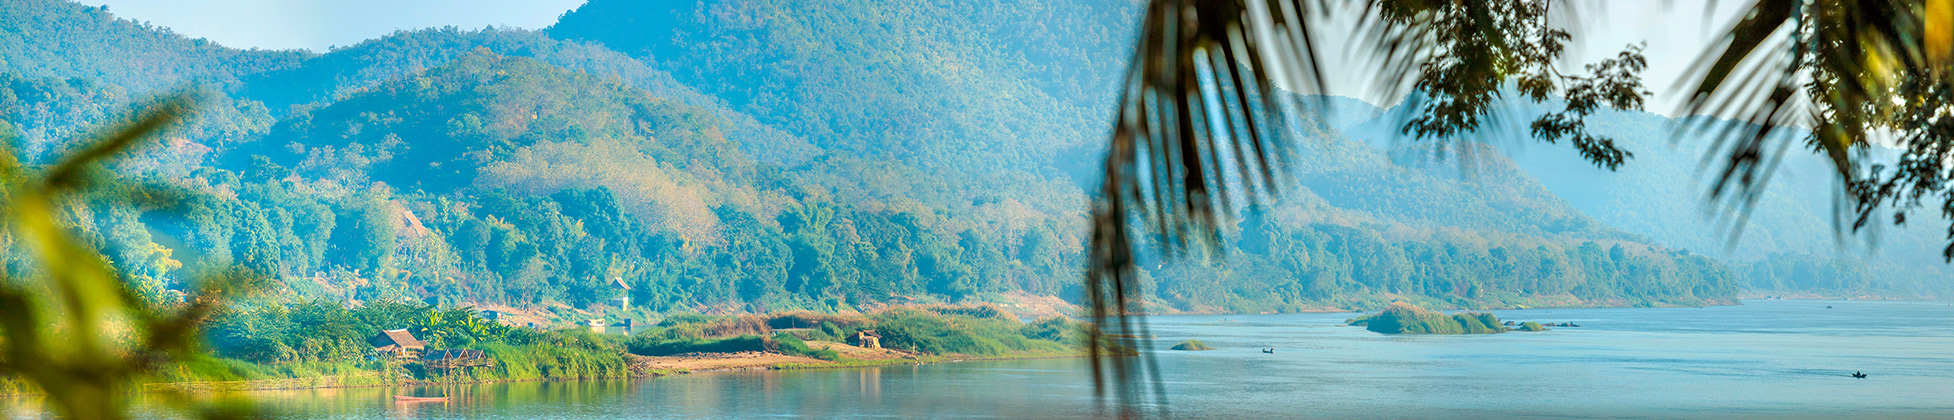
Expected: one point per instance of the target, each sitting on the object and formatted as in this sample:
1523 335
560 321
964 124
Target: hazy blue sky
317 24
1675 33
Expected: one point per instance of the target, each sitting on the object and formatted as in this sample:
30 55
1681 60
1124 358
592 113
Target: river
1764 359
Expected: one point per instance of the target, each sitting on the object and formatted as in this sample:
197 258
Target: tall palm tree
1201 95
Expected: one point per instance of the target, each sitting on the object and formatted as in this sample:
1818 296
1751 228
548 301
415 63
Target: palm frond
1850 72
1198 96
1201 123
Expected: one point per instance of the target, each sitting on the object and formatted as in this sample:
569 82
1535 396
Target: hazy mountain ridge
1788 243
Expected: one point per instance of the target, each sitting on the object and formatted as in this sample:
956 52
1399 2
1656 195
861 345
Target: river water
1764 359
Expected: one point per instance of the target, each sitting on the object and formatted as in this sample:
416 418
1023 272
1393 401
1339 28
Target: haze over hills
749 156
1788 244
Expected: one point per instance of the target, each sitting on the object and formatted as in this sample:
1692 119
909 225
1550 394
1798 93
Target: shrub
806 319
789 345
1057 329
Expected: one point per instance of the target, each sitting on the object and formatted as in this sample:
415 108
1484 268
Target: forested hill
751 156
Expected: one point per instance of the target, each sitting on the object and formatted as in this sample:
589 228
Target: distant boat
406 399
1858 375
1269 351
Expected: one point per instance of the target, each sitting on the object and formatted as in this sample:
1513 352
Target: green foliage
1531 326
1057 329
555 355
1404 318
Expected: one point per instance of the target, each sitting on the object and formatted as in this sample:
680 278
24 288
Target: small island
1405 318
1191 345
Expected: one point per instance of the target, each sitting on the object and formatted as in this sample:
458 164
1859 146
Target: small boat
1859 375
404 399
1269 351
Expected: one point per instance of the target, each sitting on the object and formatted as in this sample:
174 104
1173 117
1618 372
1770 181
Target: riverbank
1487 302
461 347
643 367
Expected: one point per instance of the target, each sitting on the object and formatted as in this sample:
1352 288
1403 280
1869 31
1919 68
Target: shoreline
1324 310
210 387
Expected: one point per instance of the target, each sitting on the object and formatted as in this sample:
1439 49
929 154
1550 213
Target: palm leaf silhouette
1852 72
1202 123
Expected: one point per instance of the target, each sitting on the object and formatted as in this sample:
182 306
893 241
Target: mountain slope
970 86
54 38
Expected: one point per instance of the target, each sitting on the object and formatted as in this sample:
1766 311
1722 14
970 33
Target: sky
1675 30
318 25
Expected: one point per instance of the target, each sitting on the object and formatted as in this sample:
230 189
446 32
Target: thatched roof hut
399 343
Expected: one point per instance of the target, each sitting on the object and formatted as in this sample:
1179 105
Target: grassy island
1192 345
1404 318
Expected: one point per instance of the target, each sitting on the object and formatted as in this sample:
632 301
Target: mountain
348 70
1788 244
970 86
1368 228
747 156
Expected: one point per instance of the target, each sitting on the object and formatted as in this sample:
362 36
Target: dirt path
718 361
853 352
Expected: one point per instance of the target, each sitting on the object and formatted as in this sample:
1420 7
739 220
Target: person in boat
1270 350
1857 374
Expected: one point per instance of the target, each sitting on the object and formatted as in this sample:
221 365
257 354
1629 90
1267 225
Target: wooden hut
867 339
623 299
397 343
